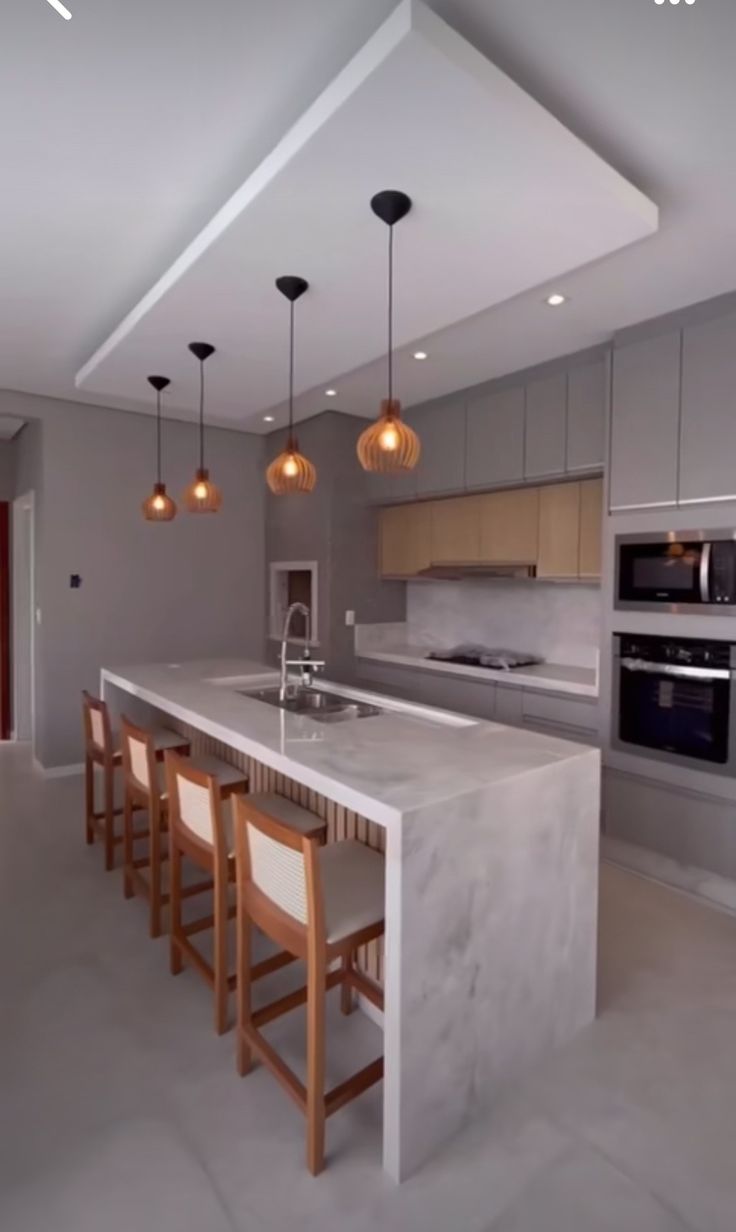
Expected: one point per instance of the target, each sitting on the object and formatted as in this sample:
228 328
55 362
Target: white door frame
24 624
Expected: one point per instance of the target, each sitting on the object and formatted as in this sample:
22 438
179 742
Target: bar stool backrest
194 801
97 729
139 756
282 867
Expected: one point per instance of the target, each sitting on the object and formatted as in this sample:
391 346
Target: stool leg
176 963
109 820
128 846
89 799
347 1000
243 988
154 835
221 955
316 1063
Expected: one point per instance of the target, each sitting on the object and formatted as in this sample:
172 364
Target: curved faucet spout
293 609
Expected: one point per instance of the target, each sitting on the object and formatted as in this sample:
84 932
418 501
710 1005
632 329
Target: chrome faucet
307 664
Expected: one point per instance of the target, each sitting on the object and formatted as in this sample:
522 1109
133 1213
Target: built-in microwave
679 571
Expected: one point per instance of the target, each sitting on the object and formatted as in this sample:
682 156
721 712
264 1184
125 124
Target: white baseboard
370 1010
58 772
706 887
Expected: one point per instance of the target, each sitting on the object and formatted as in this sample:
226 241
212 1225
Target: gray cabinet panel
441 429
586 413
471 697
707 467
389 489
495 439
546 406
645 423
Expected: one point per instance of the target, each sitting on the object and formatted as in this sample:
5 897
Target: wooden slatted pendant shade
158 507
202 496
389 445
291 471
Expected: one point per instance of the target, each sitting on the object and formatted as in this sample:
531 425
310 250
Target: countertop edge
516 679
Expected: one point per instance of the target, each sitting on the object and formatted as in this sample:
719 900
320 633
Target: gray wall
334 526
187 589
7 486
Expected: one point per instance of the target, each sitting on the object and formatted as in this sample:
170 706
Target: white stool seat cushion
353 885
163 738
225 774
286 811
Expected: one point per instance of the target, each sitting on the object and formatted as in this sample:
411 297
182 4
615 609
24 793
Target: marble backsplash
559 622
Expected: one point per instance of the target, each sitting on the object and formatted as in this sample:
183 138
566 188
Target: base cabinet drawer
553 710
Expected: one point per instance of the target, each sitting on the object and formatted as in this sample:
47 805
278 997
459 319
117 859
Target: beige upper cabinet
509 526
404 540
591 528
456 531
559 531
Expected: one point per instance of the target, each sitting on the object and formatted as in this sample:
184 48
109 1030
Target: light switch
350 619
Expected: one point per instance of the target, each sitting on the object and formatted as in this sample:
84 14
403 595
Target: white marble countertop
546 677
383 767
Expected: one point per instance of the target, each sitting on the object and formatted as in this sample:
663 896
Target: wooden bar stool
144 780
102 757
201 830
320 904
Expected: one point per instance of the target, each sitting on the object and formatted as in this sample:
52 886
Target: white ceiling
504 198
133 123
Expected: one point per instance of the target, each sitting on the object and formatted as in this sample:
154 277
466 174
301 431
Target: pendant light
291 471
389 445
202 496
158 507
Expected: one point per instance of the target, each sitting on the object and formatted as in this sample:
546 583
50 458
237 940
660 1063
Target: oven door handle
671 669
705 572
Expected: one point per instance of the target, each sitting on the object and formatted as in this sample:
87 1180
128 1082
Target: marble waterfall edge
495 971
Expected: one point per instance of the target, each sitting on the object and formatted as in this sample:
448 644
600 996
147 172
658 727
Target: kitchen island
491 840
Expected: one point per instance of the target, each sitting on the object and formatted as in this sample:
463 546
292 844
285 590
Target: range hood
457 572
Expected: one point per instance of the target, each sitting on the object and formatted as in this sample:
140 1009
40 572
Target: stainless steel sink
316 703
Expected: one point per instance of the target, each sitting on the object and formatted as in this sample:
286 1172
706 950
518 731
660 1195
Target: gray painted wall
191 588
335 526
7 484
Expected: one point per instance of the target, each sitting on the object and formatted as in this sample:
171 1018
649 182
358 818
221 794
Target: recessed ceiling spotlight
268 418
420 355
330 393
556 300
61 9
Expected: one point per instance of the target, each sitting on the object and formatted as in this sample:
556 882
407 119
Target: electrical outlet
350 619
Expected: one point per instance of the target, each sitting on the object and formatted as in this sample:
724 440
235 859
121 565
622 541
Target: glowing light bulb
200 490
290 467
158 502
389 439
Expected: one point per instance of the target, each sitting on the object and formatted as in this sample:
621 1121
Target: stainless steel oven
683 571
675 700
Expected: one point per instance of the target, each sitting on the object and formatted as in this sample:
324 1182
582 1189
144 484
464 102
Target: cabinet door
645 423
404 540
441 430
591 528
456 531
495 439
559 531
586 414
385 489
708 457
546 412
509 526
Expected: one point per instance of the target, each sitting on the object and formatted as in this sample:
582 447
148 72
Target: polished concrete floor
120 1110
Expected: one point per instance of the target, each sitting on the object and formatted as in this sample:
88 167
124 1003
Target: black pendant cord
201 414
390 315
158 436
291 370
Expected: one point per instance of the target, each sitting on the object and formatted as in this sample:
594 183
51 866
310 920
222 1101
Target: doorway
23 617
